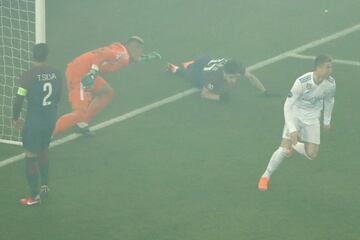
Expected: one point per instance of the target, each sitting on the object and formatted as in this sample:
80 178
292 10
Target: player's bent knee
111 92
80 115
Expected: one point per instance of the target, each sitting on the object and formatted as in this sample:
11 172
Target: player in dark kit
215 76
41 85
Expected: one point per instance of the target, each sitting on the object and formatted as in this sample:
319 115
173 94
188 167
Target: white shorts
307 132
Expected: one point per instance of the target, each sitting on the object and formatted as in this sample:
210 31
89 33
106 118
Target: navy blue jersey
213 75
42 86
209 73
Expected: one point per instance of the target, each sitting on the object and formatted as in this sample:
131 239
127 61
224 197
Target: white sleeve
292 97
329 101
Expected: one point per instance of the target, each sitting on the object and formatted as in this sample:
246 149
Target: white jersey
306 100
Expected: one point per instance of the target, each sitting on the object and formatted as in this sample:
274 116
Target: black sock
44 169
32 175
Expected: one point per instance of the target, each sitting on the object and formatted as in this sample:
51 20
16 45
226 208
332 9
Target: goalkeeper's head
135 48
40 52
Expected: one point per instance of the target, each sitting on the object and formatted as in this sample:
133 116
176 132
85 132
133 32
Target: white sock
300 148
275 160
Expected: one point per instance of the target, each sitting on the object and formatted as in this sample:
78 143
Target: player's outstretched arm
258 85
150 56
207 94
254 81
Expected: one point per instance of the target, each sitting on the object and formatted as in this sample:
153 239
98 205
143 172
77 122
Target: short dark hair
40 52
321 59
233 67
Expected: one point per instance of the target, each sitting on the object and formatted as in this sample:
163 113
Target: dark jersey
214 76
42 86
209 73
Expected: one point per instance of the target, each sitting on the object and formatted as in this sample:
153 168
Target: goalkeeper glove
88 80
150 56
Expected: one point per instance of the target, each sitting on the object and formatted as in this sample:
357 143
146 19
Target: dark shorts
195 72
36 137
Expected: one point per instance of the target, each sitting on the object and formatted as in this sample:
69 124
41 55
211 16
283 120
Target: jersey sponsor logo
215 64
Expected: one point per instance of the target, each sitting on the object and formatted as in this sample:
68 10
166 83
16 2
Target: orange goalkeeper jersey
109 58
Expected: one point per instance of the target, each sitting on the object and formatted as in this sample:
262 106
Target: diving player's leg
195 71
181 69
178 70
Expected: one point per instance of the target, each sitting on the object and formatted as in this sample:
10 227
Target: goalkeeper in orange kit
88 92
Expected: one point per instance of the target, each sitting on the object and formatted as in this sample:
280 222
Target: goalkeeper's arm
88 80
150 56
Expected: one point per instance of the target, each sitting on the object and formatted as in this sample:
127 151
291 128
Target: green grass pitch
188 170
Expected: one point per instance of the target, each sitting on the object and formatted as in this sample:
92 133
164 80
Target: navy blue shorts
195 72
36 137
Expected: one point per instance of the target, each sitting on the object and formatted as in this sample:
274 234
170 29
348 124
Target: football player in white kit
310 94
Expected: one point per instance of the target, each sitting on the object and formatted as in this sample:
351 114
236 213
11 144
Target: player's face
325 70
231 78
135 51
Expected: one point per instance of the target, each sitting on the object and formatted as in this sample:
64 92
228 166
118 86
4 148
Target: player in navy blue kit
215 76
41 86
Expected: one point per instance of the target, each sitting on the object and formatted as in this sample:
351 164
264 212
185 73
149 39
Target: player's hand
270 94
294 137
17 124
224 98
